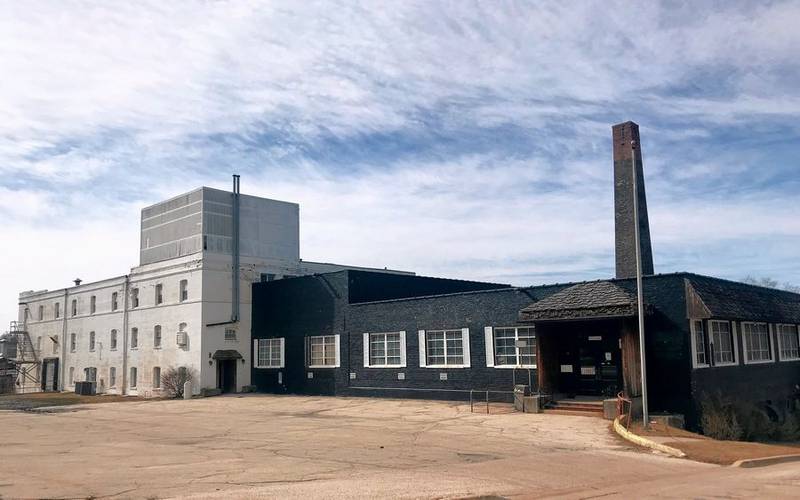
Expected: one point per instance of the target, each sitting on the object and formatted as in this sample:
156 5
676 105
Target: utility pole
639 291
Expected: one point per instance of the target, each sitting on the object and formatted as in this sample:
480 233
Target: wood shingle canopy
592 300
741 301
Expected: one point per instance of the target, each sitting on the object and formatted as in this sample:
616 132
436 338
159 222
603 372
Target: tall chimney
627 148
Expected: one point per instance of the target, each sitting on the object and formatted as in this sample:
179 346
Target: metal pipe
125 334
639 291
235 252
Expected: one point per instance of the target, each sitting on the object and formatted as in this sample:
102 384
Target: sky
455 139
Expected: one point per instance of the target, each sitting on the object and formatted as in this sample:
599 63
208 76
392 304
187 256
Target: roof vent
77 281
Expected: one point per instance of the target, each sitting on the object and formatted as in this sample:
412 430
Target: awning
224 354
593 300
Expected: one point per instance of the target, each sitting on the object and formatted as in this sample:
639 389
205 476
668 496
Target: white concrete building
177 308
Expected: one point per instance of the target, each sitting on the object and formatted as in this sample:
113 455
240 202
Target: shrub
719 419
172 380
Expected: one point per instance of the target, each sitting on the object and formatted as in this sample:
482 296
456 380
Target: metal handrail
622 401
472 399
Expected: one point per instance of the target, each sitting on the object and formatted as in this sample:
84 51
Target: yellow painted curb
636 439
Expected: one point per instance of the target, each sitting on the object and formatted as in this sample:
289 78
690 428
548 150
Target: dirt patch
32 402
704 449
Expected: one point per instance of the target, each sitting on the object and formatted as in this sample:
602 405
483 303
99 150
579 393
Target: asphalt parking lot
258 446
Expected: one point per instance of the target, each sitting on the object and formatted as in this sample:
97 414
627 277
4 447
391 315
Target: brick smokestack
625 247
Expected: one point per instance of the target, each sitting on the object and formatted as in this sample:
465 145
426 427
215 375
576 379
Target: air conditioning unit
182 338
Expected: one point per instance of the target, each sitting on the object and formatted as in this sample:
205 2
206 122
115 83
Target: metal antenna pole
639 292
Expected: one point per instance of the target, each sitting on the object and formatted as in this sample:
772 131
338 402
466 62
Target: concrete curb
639 440
765 461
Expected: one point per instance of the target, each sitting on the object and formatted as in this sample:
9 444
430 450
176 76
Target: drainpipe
63 341
235 252
125 288
639 291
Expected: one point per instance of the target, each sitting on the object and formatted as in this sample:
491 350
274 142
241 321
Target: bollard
187 389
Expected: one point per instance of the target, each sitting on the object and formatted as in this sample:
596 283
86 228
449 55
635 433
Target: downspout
235 252
125 334
63 341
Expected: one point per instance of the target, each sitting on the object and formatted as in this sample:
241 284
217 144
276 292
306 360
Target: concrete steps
575 407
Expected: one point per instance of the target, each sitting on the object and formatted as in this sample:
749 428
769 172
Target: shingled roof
595 299
740 301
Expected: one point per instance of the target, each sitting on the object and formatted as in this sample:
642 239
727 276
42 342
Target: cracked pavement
261 446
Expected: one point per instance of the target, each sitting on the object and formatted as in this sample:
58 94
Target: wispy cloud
460 139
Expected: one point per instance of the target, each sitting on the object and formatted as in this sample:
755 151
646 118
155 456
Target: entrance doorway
50 375
226 375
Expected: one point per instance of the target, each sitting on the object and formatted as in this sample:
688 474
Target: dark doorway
49 375
226 375
589 358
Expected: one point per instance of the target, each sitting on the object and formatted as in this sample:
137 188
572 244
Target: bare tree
771 283
172 380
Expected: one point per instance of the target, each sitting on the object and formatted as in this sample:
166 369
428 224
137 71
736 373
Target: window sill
521 367
789 360
274 367
726 364
316 367
698 367
759 362
445 367
386 366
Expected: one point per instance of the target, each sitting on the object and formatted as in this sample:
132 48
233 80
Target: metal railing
624 416
472 393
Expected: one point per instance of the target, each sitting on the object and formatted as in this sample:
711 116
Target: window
699 357
757 343
156 377
134 338
41 313
114 303
74 307
723 343
788 342
266 277
269 353
132 379
135 297
90 374
230 334
157 336
112 377
91 341
55 345
92 304
72 375
182 338
72 342
38 344
324 351
444 348
57 309
113 340
385 350
159 294
184 290
510 347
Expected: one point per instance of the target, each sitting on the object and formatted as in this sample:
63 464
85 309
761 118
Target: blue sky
454 139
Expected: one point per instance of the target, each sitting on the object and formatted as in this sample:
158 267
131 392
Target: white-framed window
132 379
156 377
323 351
73 342
112 376
159 294
90 374
113 340
384 350
114 302
71 375
134 338
92 304
184 290
444 348
757 342
723 343
788 342
91 341
157 337
269 353
41 313
135 297
699 341
57 309
510 346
